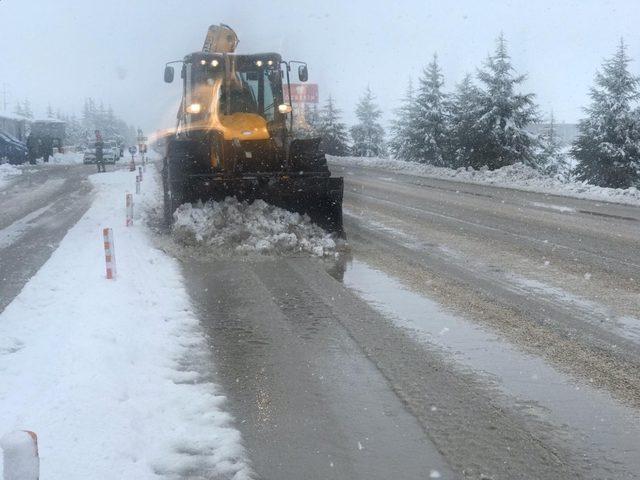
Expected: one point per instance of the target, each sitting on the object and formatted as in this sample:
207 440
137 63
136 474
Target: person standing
99 152
47 148
32 147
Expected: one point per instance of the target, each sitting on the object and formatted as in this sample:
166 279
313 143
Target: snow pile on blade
518 176
244 227
7 170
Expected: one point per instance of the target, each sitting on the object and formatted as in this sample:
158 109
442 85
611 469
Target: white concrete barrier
20 456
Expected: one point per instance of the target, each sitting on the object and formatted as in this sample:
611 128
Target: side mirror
168 74
303 73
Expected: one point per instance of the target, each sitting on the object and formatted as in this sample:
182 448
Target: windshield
248 91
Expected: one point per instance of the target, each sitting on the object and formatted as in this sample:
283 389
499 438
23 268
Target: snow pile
113 375
518 176
7 171
244 227
68 158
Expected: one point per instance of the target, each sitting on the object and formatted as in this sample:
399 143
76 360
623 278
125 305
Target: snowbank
516 176
7 171
111 373
233 226
69 158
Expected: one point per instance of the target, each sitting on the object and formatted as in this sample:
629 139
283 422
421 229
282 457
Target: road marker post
137 184
109 253
129 205
21 460
140 173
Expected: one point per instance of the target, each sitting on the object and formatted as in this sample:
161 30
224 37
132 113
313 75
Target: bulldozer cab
240 96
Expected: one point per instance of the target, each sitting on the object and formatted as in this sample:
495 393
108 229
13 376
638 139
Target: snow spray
129 205
109 253
137 184
20 456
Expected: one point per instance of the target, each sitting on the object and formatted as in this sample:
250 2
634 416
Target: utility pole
4 97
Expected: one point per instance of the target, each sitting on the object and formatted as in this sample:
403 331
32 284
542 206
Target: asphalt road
38 208
466 332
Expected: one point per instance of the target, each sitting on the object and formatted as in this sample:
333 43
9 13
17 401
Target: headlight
270 62
203 62
284 108
194 108
258 63
214 63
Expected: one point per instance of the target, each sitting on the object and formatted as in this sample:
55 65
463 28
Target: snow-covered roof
48 120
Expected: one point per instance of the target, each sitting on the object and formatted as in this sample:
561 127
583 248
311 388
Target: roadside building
16 126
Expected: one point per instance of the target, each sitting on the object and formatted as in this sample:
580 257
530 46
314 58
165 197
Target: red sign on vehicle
303 93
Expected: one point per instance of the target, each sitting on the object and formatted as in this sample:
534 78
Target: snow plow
234 135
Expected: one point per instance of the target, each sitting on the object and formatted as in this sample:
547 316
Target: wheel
173 190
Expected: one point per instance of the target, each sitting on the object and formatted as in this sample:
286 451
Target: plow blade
319 197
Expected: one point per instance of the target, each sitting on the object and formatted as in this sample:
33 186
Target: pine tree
607 148
402 142
464 111
311 118
26 109
331 130
18 110
551 159
367 134
505 113
429 120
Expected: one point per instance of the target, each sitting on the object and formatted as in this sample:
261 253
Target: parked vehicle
89 156
12 150
110 153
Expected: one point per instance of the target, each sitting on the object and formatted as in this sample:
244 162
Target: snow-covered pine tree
429 120
551 159
607 147
505 113
368 134
402 142
306 121
26 109
332 131
464 113
18 110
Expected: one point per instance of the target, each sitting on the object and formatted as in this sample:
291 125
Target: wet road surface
468 332
38 207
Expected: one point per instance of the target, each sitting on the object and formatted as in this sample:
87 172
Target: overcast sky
61 51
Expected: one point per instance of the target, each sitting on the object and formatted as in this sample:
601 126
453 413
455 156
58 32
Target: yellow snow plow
234 135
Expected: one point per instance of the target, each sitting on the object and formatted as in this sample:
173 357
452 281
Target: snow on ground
7 171
516 176
111 373
242 227
67 158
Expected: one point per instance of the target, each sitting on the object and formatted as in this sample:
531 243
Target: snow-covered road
109 373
